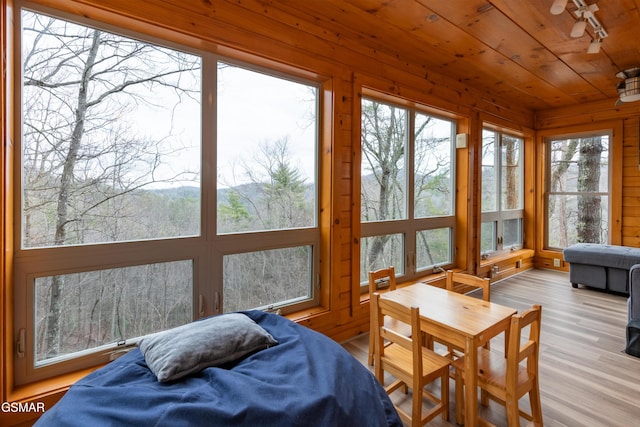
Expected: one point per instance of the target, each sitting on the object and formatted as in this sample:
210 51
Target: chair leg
444 393
371 345
513 412
536 407
459 392
416 405
379 373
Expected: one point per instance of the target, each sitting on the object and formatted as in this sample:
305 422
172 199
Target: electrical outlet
494 271
556 262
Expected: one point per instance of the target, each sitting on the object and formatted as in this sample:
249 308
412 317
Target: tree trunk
386 150
589 206
66 181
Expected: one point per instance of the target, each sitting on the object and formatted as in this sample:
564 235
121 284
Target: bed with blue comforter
306 379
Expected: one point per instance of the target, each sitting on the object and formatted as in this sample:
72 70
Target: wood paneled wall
631 182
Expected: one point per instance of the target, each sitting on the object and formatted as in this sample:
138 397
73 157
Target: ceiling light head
558 6
594 46
578 28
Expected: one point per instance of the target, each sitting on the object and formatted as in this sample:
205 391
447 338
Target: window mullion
410 162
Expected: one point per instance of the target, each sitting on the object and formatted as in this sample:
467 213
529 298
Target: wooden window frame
501 215
200 249
409 226
615 130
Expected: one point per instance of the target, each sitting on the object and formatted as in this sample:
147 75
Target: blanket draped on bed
305 380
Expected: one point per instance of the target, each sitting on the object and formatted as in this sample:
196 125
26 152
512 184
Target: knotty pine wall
256 32
631 183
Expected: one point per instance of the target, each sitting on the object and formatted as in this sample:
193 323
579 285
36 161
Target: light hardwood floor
586 379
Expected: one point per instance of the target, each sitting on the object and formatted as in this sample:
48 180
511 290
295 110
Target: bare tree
81 156
383 151
589 205
512 175
558 176
579 161
384 145
276 196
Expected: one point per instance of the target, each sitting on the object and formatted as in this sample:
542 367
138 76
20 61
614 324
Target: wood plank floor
586 379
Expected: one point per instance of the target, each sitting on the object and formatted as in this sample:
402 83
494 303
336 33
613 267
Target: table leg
471 383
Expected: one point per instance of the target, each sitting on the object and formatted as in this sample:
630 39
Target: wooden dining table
464 321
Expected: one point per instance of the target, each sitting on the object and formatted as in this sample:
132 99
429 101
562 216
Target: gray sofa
633 310
633 303
604 267
613 268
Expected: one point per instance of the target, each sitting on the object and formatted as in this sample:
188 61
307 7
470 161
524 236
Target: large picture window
578 190
135 214
502 192
407 183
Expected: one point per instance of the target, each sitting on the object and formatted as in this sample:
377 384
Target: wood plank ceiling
514 49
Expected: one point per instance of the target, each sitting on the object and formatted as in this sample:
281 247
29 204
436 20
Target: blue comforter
305 380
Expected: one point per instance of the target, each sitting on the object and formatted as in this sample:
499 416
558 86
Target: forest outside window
124 227
502 192
578 198
407 182
267 189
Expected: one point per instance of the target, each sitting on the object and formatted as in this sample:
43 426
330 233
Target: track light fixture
585 14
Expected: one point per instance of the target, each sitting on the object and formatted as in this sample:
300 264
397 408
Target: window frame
499 216
547 181
206 251
616 149
409 226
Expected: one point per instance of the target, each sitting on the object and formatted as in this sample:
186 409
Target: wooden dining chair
508 379
467 280
383 280
410 363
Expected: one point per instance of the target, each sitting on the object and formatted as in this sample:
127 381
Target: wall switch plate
461 140
556 262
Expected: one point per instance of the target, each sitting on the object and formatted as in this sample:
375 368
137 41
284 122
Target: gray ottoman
601 266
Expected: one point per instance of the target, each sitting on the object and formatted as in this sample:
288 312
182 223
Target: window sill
504 261
431 279
46 388
52 389
46 392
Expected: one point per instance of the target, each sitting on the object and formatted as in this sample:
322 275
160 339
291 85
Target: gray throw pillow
180 351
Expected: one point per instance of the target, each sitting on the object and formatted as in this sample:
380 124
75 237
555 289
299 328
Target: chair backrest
409 315
519 349
379 279
469 280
